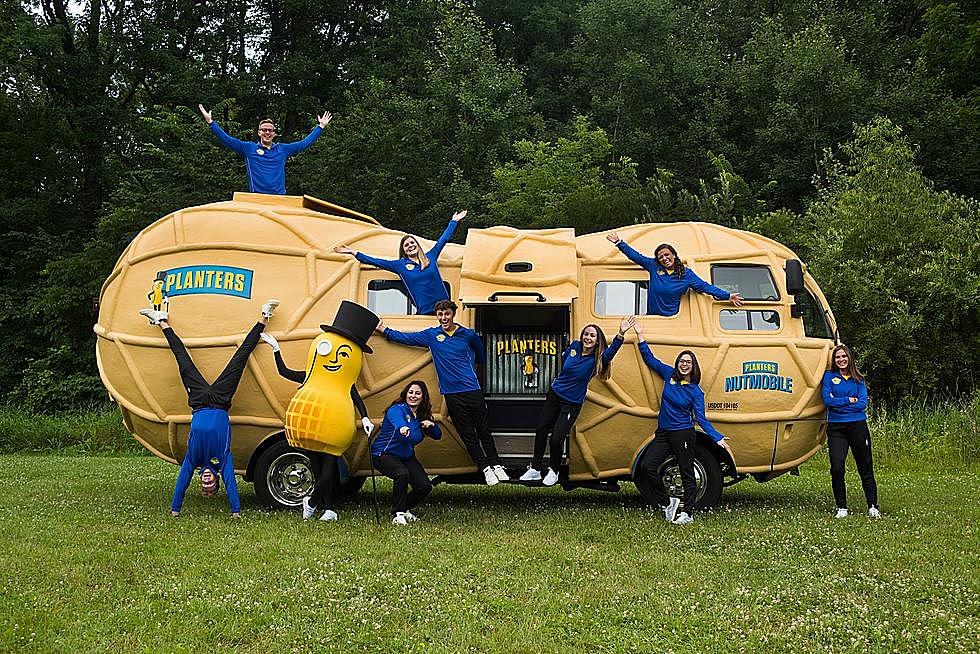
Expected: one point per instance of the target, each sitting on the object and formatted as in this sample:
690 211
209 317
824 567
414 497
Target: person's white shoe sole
269 308
329 516
490 476
500 473
411 517
308 510
531 475
874 513
682 519
399 520
551 478
841 513
670 512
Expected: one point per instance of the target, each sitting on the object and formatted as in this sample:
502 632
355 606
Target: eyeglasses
267 129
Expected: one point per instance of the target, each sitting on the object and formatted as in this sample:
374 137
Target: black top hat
355 322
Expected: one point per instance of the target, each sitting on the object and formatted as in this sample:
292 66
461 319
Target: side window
815 323
389 297
754 282
753 321
621 298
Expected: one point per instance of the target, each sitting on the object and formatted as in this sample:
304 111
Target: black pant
327 476
402 473
199 392
557 416
469 413
840 436
680 443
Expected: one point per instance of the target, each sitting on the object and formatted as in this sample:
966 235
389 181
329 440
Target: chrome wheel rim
670 475
290 478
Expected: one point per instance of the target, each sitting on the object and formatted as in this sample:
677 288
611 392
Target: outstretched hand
368 426
324 120
638 329
271 340
724 443
626 324
613 238
205 113
458 216
343 249
736 299
380 328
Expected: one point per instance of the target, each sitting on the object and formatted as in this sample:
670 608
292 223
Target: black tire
283 477
707 474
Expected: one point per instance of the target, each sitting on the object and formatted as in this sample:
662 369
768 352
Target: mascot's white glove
368 426
271 340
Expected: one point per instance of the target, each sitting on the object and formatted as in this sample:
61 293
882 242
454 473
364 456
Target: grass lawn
91 561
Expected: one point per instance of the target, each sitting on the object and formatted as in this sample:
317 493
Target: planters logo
216 280
759 375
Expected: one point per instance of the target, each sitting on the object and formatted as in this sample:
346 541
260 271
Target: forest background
848 130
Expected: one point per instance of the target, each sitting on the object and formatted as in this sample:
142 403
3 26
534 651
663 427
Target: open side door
503 265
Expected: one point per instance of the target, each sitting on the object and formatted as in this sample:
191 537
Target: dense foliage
848 130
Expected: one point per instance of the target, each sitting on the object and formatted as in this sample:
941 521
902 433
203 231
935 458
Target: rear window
389 297
742 320
621 298
753 282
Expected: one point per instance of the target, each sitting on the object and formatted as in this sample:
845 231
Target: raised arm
652 362
624 326
229 142
447 234
298 146
298 376
634 256
391 265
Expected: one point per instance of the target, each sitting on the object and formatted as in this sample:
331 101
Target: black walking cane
374 485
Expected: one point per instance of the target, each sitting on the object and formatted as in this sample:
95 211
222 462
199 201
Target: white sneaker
841 513
670 511
531 475
501 473
329 516
411 517
683 519
400 520
154 315
490 476
268 308
873 512
551 478
307 509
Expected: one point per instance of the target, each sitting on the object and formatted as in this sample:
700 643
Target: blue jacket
266 167
452 354
424 285
208 446
666 289
390 439
681 403
572 382
837 391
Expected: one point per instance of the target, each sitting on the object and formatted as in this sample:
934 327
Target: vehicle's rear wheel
707 476
284 476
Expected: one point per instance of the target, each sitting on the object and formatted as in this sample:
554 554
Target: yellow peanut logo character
320 416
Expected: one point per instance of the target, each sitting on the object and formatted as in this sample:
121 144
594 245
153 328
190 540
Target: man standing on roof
265 161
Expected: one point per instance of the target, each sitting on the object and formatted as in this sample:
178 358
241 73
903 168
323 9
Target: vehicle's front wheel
707 476
283 477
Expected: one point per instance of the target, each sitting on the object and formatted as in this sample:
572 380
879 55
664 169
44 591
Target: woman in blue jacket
669 279
417 269
681 403
582 360
846 397
407 421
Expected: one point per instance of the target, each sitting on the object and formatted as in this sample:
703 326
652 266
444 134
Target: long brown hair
679 268
695 368
423 260
603 369
424 412
852 370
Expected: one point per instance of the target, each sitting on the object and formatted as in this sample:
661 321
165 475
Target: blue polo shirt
681 403
424 285
666 289
453 355
391 441
265 167
578 370
837 391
